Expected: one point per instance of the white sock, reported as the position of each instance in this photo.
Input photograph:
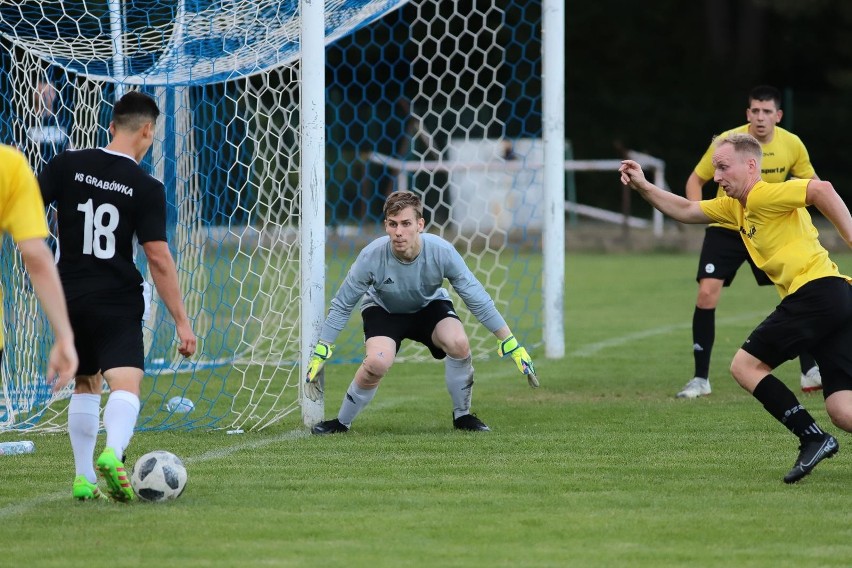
(354, 402)
(120, 413)
(459, 376)
(84, 413)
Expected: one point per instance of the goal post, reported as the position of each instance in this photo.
(261, 149)
(313, 197)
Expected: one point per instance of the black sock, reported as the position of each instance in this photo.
(703, 336)
(783, 405)
(807, 362)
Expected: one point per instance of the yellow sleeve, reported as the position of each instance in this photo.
(802, 167)
(721, 210)
(774, 199)
(22, 213)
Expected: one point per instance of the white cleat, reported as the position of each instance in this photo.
(812, 380)
(695, 388)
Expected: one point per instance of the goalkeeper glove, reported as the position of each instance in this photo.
(510, 346)
(313, 388)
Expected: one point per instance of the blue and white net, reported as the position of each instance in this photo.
(189, 42)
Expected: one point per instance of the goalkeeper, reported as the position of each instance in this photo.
(400, 278)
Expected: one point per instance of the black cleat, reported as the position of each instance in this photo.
(810, 454)
(470, 422)
(329, 427)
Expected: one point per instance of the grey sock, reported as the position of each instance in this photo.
(459, 376)
(354, 402)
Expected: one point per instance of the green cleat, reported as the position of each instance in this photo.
(117, 480)
(85, 491)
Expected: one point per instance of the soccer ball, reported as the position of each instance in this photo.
(158, 476)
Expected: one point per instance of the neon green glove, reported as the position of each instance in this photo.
(313, 388)
(510, 346)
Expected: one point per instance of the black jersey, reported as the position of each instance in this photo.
(106, 203)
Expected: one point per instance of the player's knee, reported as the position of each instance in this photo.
(458, 348)
(743, 372)
(375, 368)
(707, 298)
(841, 417)
(839, 408)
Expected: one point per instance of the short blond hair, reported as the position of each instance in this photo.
(399, 200)
(743, 143)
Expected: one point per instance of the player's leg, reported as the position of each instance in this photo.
(450, 337)
(835, 361)
(84, 411)
(807, 316)
(839, 408)
(722, 253)
(383, 334)
(811, 379)
(83, 424)
(121, 353)
(380, 354)
(814, 444)
(120, 414)
(449, 341)
(703, 336)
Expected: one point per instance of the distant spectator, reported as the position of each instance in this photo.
(45, 135)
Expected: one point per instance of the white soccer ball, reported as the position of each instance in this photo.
(158, 476)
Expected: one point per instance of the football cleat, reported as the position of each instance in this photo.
(85, 491)
(812, 380)
(695, 388)
(332, 426)
(117, 480)
(470, 422)
(812, 452)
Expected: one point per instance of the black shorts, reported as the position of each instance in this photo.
(105, 342)
(722, 254)
(816, 318)
(417, 326)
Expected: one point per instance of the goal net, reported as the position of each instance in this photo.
(449, 81)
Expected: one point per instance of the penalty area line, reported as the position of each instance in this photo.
(595, 348)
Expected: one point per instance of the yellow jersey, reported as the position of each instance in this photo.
(21, 208)
(778, 233)
(785, 156)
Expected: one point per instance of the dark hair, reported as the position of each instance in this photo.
(133, 110)
(399, 200)
(765, 93)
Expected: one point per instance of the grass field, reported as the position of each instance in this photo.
(601, 466)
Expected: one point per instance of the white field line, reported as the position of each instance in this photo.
(595, 348)
(24, 506)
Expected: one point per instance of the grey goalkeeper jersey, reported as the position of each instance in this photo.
(404, 288)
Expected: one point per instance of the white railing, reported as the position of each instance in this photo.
(404, 168)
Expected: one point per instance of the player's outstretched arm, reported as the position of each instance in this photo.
(674, 206)
(822, 195)
(507, 345)
(164, 273)
(38, 260)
